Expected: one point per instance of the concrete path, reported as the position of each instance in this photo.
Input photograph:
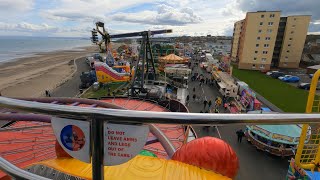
(71, 87)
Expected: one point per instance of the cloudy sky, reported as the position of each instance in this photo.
(185, 17)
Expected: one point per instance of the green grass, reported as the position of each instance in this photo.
(286, 97)
(101, 91)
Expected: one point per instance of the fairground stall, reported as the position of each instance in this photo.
(246, 101)
(171, 59)
(225, 63)
(225, 84)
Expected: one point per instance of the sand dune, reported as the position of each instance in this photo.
(31, 76)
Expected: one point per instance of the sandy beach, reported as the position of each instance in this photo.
(31, 76)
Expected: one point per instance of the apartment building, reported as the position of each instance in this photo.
(291, 37)
(235, 40)
(264, 40)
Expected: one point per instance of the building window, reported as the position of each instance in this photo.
(289, 44)
(269, 30)
(264, 52)
(270, 23)
(262, 16)
(259, 31)
(253, 66)
(254, 59)
(262, 66)
(294, 19)
(285, 64)
(256, 52)
(288, 51)
(292, 32)
(286, 58)
(264, 59)
(258, 38)
(257, 45)
(268, 38)
(261, 23)
(266, 45)
(293, 26)
(272, 15)
(290, 39)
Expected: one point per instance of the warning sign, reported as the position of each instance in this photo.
(73, 136)
(123, 142)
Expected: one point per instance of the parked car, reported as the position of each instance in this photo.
(285, 76)
(291, 79)
(306, 86)
(271, 72)
(277, 74)
(310, 75)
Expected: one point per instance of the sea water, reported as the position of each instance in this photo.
(17, 47)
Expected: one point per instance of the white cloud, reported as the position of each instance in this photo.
(87, 10)
(165, 15)
(185, 17)
(24, 26)
(16, 5)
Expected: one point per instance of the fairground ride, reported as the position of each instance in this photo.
(143, 72)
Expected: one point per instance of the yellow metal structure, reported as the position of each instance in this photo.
(308, 153)
(140, 167)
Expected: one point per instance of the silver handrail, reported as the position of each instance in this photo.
(97, 115)
(129, 116)
(18, 173)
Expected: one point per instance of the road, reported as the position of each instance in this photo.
(71, 87)
(254, 164)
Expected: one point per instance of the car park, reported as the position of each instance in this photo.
(285, 76)
(291, 79)
(275, 75)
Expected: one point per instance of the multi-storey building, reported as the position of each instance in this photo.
(264, 40)
(235, 40)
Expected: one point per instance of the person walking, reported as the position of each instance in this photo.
(205, 102)
(187, 100)
(209, 104)
(194, 97)
(225, 106)
(240, 135)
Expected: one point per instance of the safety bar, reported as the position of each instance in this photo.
(130, 116)
(96, 116)
(18, 173)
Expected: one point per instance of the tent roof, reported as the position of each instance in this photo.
(172, 57)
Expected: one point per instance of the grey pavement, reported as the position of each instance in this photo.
(71, 87)
(254, 164)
